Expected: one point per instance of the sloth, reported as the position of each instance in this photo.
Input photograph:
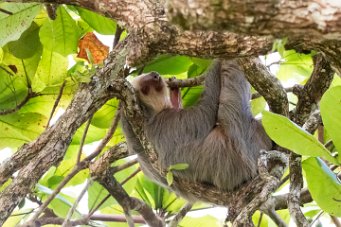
(218, 137)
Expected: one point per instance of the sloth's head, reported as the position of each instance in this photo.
(154, 92)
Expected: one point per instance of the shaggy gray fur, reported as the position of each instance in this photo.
(218, 137)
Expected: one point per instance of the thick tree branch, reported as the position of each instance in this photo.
(50, 147)
(266, 85)
(313, 90)
(311, 94)
(278, 18)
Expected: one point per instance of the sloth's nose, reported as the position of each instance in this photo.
(155, 76)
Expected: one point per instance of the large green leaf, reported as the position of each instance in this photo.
(324, 186)
(51, 71)
(99, 23)
(60, 35)
(12, 26)
(20, 128)
(28, 44)
(289, 135)
(331, 115)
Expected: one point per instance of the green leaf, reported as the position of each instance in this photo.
(96, 193)
(13, 88)
(190, 96)
(12, 26)
(206, 220)
(257, 105)
(93, 134)
(324, 186)
(60, 35)
(296, 66)
(330, 106)
(99, 23)
(169, 65)
(51, 71)
(104, 116)
(28, 44)
(26, 68)
(170, 178)
(178, 166)
(289, 135)
(20, 128)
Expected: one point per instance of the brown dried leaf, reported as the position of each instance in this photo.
(91, 44)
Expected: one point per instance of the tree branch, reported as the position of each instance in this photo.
(100, 172)
(266, 85)
(278, 18)
(50, 147)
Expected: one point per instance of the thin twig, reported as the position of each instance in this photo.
(257, 95)
(276, 218)
(317, 217)
(83, 139)
(74, 206)
(131, 176)
(181, 214)
(124, 166)
(191, 82)
(336, 221)
(55, 105)
(118, 34)
(108, 196)
(29, 95)
(80, 166)
(260, 219)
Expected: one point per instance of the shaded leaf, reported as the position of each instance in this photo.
(28, 44)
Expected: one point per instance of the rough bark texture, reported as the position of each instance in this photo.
(250, 28)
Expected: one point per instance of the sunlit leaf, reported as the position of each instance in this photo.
(12, 26)
(178, 166)
(51, 71)
(206, 220)
(20, 128)
(170, 178)
(324, 186)
(96, 193)
(169, 65)
(99, 23)
(286, 134)
(331, 111)
(60, 35)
